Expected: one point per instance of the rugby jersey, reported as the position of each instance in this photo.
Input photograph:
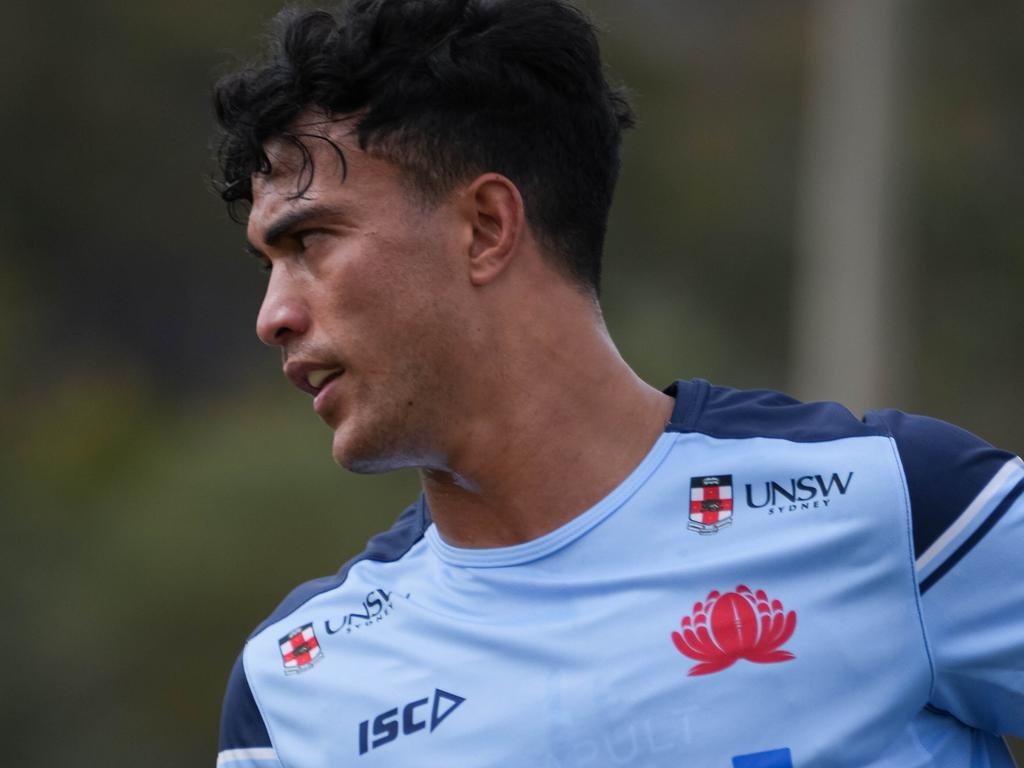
(777, 584)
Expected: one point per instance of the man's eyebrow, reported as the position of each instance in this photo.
(288, 222)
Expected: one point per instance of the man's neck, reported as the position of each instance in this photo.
(551, 441)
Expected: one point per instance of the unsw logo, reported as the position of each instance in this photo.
(806, 492)
(375, 607)
(386, 725)
(737, 625)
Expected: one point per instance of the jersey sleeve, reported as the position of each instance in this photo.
(967, 510)
(244, 740)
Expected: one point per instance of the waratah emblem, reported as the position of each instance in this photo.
(737, 625)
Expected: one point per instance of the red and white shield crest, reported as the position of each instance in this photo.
(710, 503)
(300, 650)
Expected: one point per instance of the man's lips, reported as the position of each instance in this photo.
(312, 376)
(319, 401)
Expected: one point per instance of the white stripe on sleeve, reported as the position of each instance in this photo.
(238, 757)
(995, 486)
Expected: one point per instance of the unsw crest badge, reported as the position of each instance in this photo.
(710, 503)
(300, 650)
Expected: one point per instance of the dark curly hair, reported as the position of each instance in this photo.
(447, 89)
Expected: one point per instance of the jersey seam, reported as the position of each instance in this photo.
(785, 439)
(259, 706)
(908, 511)
(689, 404)
(699, 402)
(694, 410)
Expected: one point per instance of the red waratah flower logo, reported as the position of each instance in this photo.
(736, 625)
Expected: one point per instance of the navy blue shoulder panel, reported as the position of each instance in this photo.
(946, 468)
(241, 725)
(386, 547)
(733, 413)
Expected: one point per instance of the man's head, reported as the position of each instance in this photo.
(398, 159)
(448, 90)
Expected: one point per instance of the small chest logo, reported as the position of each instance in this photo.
(737, 625)
(796, 493)
(408, 719)
(710, 503)
(375, 608)
(300, 650)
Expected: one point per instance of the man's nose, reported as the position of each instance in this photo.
(283, 315)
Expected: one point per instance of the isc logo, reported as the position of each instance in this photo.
(388, 725)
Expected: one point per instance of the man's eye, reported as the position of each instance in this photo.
(307, 237)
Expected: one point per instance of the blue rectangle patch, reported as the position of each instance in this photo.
(775, 758)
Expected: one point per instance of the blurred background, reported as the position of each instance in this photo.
(821, 197)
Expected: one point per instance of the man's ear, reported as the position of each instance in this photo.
(495, 210)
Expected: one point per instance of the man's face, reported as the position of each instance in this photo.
(363, 298)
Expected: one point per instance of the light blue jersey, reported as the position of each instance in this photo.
(776, 585)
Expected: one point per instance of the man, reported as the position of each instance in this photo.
(598, 572)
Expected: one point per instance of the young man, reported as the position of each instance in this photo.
(597, 573)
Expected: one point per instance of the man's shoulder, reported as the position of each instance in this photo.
(285, 644)
(728, 413)
(954, 482)
(386, 547)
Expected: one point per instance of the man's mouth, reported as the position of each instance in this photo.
(321, 381)
(318, 379)
(311, 377)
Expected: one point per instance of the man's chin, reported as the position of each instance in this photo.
(345, 456)
(364, 459)
(370, 458)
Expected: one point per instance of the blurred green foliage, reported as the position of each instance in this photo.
(162, 488)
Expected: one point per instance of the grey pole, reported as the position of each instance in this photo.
(848, 293)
